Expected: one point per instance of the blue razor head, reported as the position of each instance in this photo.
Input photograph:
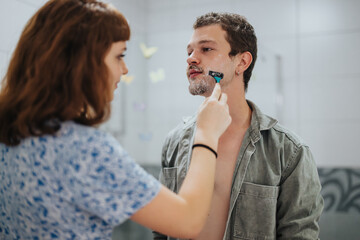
(216, 75)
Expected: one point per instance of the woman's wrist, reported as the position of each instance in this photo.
(202, 137)
(206, 147)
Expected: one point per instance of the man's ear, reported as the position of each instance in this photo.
(244, 61)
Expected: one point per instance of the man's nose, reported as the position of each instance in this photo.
(193, 59)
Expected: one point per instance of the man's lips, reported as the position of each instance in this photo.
(193, 73)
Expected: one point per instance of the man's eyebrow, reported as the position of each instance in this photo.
(203, 42)
(206, 41)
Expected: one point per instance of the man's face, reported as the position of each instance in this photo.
(208, 50)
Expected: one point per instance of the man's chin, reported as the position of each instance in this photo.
(199, 92)
(200, 87)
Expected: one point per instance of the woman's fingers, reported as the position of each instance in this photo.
(213, 117)
(216, 92)
(223, 98)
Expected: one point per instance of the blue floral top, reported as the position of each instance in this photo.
(76, 184)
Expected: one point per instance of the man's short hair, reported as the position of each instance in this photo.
(239, 33)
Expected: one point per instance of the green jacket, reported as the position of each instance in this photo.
(275, 190)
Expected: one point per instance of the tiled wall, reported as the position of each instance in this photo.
(341, 192)
(307, 72)
(318, 43)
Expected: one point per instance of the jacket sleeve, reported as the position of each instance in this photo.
(299, 203)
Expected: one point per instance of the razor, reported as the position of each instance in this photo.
(216, 75)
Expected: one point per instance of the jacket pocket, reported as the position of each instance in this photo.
(169, 176)
(255, 212)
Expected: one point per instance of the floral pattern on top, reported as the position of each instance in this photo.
(76, 184)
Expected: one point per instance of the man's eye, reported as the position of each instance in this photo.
(189, 53)
(206, 49)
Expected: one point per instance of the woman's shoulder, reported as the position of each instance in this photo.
(79, 132)
(68, 128)
(75, 133)
(73, 137)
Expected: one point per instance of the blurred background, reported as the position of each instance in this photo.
(307, 76)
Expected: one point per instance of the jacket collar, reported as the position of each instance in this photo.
(189, 121)
(259, 122)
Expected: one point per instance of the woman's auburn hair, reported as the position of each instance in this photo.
(57, 71)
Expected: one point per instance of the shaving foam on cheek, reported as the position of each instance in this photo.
(216, 75)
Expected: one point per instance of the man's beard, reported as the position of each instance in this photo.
(199, 87)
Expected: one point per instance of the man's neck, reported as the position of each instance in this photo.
(239, 109)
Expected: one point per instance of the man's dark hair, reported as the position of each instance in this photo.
(239, 33)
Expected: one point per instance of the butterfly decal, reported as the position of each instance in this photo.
(139, 106)
(127, 79)
(157, 76)
(147, 51)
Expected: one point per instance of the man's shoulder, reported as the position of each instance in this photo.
(288, 136)
(284, 148)
(272, 129)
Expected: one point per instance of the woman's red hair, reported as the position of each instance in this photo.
(57, 71)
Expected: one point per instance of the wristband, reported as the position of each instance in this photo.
(205, 146)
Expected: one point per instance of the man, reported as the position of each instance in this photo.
(267, 185)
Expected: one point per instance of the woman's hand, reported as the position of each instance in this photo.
(213, 118)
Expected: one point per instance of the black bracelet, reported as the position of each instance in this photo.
(205, 146)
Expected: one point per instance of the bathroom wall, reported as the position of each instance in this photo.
(306, 75)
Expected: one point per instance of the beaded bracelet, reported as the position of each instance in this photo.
(205, 146)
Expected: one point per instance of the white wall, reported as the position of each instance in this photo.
(318, 43)
(13, 16)
(329, 49)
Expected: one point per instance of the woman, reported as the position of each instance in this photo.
(61, 178)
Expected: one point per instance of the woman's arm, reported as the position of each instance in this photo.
(184, 214)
